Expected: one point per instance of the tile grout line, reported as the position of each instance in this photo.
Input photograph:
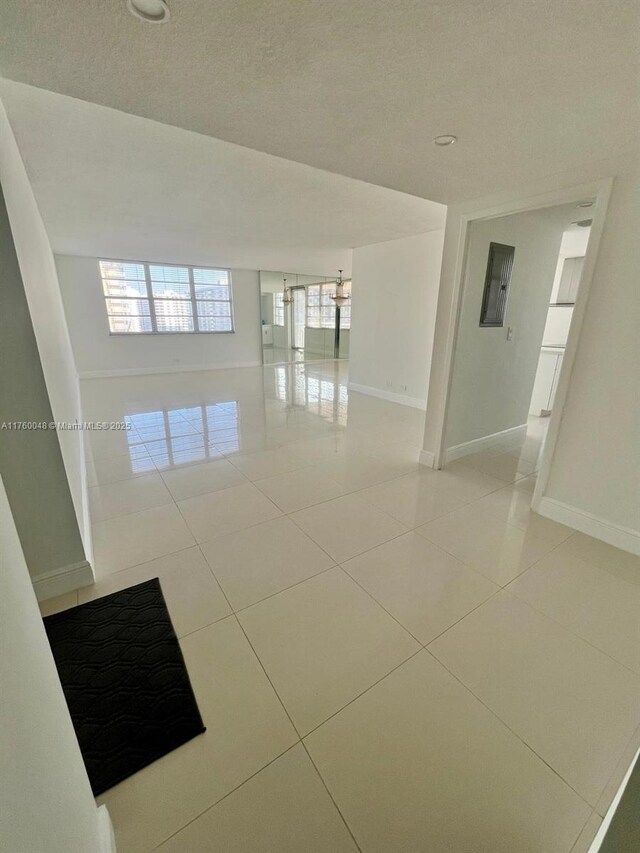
(326, 787)
(507, 726)
(228, 794)
(363, 692)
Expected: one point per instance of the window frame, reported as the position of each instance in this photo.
(326, 289)
(278, 309)
(150, 299)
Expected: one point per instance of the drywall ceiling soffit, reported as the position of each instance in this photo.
(531, 87)
(116, 185)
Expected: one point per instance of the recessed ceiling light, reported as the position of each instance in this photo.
(445, 139)
(151, 11)
(585, 204)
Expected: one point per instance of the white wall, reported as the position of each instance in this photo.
(41, 286)
(595, 468)
(493, 377)
(99, 353)
(395, 292)
(47, 804)
(573, 245)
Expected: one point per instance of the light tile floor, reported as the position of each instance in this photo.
(387, 658)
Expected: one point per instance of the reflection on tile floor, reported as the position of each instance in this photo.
(387, 658)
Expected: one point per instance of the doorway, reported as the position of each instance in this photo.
(461, 423)
(299, 320)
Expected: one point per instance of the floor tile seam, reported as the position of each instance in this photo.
(279, 514)
(363, 692)
(228, 794)
(144, 562)
(123, 514)
(300, 509)
(267, 676)
(411, 526)
(331, 796)
(379, 604)
(566, 628)
(477, 570)
(512, 730)
(202, 494)
(236, 610)
(360, 553)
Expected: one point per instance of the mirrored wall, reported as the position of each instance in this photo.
(299, 319)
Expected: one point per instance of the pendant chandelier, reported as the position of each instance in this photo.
(340, 298)
(287, 298)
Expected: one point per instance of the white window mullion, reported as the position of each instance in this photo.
(152, 307)
(194, 302)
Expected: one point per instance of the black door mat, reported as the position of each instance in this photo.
(125, 681)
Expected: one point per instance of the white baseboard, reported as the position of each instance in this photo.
(179, 368)
(106, 837)
(401, 399)
(484, 443)
(621, 537)
(59, 581)
(426, 458)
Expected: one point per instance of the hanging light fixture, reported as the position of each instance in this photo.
(340, 298)
(287, 298)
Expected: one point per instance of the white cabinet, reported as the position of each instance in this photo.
(267, 335)
(546, 381)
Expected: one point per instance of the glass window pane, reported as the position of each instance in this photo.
(173, 315)
(123, 287)
(175, 274)
(206, 276)
(128, 307)
(170, 282)
(212, 291)
(215, 324)
(172, 288)
(120, 325)
(174, 324)
(214, 309)
(118, 269)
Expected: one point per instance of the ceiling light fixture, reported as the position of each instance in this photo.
(340, 297)
(445, 139)
(150, 11)
(287, 298)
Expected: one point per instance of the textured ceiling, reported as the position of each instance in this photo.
(360, 88)
(116, 185)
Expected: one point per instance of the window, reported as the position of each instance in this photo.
(345, 310)
(321, 309)
(496, 284)
(278, 309)
(143, 299)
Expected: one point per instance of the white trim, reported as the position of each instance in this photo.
(426, 458)
(401, 399)
(585, 522)
(601, 189)
(601, 834)
(486, 442)
(106, 837)
(143, 371)
(66, 579)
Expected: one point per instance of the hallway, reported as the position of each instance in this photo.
(385, 656)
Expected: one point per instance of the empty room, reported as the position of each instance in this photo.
(319, 427)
